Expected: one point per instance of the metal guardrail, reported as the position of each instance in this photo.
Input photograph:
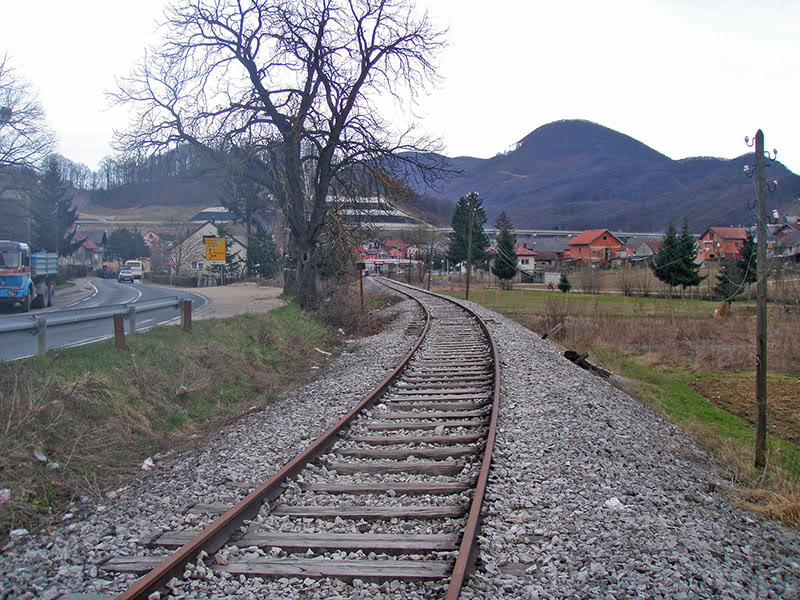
(38, 324)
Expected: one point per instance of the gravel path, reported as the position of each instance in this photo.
(591, 495)
(239, 298)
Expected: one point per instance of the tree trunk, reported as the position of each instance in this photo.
(300, 278)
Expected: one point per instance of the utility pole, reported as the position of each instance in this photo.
(761, 306)
(430, 261)
(471, 197)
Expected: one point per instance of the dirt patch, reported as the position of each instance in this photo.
(240, 298)
(738, 397)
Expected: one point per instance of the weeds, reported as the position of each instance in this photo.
(94, 413)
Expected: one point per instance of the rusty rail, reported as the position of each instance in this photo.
(219, 532)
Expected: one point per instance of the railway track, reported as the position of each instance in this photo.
(392, 491)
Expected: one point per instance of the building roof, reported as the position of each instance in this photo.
(790, 239)
(546, 255)
(729, 233)
(654, 245)
(217, 213)
(214, 225)
(524, 251)
(87, 243)
(590, 235)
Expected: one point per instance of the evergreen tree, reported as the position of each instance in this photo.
(563, 283)
(457, 252)
(52, 215)
(126, 244)
(663, 264)
(505, 261)
(747, 263)
(262, 253)
(730, 282)
(687, 269)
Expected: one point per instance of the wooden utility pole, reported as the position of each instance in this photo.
(761, 306)
(471, 206)
(430, 261)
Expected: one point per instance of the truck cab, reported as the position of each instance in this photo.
(24, 278)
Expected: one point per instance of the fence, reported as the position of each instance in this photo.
(39, 324)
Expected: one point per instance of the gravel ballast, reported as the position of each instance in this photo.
(591, 494)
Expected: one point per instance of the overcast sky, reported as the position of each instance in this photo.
(687, 78)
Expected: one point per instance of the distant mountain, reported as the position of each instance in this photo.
(581, 175)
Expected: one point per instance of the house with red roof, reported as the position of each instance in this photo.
(721, 242)
(594, 246)
(89, 253)
(526, 258)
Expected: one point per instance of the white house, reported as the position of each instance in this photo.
(188, 256)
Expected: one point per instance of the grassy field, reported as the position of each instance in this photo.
(94, 413)
(695, 369)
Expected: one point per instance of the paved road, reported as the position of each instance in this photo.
(91, 294)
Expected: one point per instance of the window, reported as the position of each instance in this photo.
(197, 265)
(524, 261)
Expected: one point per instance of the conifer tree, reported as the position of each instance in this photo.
(747, 263)
(687, 269)
(53, 216)
(457, 252)
(504, 265)
(667, 257)
(563, 283)
(730, 282)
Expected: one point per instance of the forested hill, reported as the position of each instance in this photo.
(580, 175)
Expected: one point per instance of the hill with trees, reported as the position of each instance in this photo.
(578, 175)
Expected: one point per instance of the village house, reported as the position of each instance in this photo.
(89, 253)
(594, 246)
(395, 248)
(187, 257)
(721, 242)
(526, 258)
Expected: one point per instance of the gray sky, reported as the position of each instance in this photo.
(687, 78)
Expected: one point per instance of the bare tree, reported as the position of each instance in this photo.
(297, 82)
(25, 138)
(626, 280)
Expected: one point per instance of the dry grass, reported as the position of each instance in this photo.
(341, 309)
(98, 412)
(773, 492)
(660, 347)
(711, 344)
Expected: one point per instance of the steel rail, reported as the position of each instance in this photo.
(220, 530)
(468, 548)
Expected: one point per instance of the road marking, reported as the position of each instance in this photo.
(87, 297)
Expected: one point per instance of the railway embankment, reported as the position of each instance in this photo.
(591, 494)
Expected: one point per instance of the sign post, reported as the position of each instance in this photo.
(215, 252)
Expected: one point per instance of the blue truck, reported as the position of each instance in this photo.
(25, 278)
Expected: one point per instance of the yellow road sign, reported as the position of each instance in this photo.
(215, 249)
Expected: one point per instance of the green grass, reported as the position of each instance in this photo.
(668, 390)
(98, 411)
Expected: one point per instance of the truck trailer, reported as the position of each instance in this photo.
(25, 278)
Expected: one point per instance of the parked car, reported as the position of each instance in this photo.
(126, 274)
